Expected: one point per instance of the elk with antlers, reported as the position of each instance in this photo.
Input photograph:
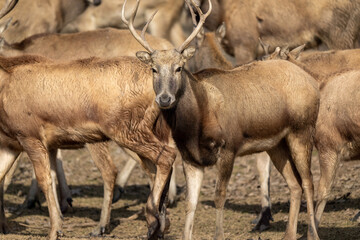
(216, 115)
(85, 101)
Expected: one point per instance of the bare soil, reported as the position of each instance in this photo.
(127, 222)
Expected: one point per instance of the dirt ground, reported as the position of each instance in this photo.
(242, 206)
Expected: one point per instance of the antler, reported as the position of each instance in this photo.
(130, 25)
(193, 16)
(198, 27)
(8, 7)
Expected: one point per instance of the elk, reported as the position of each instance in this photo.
(39, 16)
(280, 23)
(337, 73)
(168, 25)
(210, 54)
(108, 43)
(215, 115)
(74, 103)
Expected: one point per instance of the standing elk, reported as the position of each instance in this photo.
(337, 73)
(216, 115)
(39, 16)
(210, 54)
(105, 43)
(285, 22)
(85, 101)
(168, 25)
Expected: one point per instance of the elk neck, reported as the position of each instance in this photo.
(194, 134)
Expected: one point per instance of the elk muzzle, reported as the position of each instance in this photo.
(165, 100)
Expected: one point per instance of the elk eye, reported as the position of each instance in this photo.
(178, 69)
(154, 70)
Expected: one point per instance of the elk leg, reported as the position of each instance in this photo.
(172, 187)
(39, 157)
(8, 158)
(301, 144)
(33, 196)
(10, 174)
(194, 176)
(281, 158)
(101, 157)
(123, 177)
(65, 193)
(52, 158)
(263, 166)
(225, 167)
(329, 162)
(147, 145)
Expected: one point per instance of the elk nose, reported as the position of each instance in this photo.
(164, 100)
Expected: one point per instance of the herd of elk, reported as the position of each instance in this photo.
(280, 23)
(97, 91)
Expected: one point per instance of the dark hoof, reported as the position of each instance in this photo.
(263, 220)
(31, 203)
(98, 232)
(4, 229)
(118, 192)
(65, 205)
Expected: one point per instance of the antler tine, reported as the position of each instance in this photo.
(198, 27)
(130, 25)
(193, 16)
(264, 46)
(147, 24)
(8, 7)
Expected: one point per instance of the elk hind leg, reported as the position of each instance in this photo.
(281, 158)
(262, 222)
(300, 143)
(102, 159)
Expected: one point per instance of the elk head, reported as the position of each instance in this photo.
(167, 65)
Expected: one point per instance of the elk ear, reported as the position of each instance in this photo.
(295, 53)
(220, 32)
(144, 57)
(188, 53)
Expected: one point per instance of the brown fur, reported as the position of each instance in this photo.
(80, 102)
(107, 42)
(280, 23)
(166, 24)
(41, 16)
(337, 127)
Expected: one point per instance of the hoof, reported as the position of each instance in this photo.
(31, 203)
(98, 232)
(65, 204)
(262, 222)
(59, 234)
(4, 229)
(118, 192)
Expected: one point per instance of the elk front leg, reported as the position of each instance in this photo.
(281, 158)
(263, 166)
(7, 158)
(194, 176)
(225, 167)
(39, 157)
(102, 159)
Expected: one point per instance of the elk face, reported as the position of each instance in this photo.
(167, 66)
